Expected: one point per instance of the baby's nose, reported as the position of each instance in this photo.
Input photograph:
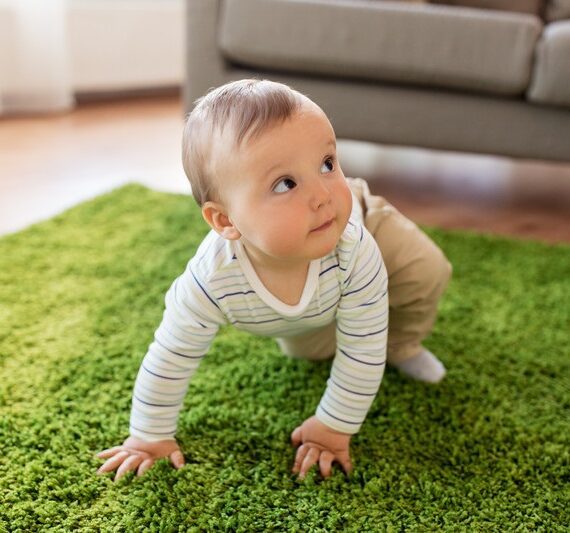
(321, 195)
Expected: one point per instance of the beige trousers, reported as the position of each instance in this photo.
(418, 274)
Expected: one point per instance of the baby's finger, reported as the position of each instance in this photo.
(325, 463)
(145, 465)
(113, 463)
(299, 458)
(346, 464)
(311, 459)
(177, 459)
(296, 436)
(105, 454)
(130, 463)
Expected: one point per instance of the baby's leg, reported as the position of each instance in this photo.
(315, 345)
(418, 274)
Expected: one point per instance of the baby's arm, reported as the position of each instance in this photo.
(190, 322)
(361, 337)
(359, 363)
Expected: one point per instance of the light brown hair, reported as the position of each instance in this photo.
(239, 111)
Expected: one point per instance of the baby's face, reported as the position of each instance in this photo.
(286, 193)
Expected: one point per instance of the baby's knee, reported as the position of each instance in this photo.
(436, 271)
(439, 266)
(311, 353)
(422, 281)
(315, 345)
(308, 355)
(444, 269)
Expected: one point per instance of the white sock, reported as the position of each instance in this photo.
(423, 367)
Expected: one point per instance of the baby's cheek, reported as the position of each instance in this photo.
(279, 237)
(287, 243)
(344, 197)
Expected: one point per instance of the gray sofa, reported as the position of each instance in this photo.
(430, 76)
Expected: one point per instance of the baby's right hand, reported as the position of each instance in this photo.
(140, 455)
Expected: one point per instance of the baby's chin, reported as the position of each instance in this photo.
(327, 243)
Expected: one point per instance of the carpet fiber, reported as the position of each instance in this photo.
(80, 297)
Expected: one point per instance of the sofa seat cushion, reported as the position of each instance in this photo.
(441, 46)
(551, 76)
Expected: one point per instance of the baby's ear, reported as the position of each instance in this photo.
(215, 215)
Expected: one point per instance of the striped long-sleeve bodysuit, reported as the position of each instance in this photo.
(220, 285)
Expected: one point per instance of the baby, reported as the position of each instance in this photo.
(297, 252)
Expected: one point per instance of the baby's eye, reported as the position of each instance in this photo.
(329, 162)
(284, 185)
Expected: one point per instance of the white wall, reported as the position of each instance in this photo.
(126, 44)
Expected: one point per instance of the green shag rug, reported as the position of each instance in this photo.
(80, 296)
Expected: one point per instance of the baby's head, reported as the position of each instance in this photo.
(224, 120)
(253, 151)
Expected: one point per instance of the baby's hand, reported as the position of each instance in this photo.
(321, 444)
(140, 455)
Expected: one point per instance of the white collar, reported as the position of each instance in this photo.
(272, 301)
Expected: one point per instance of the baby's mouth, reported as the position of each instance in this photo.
(325, 226)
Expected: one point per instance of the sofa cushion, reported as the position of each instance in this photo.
(550, 82)
(431, 45)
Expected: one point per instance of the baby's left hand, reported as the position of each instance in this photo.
(320, 444)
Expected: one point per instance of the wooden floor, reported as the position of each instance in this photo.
(50, 163)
